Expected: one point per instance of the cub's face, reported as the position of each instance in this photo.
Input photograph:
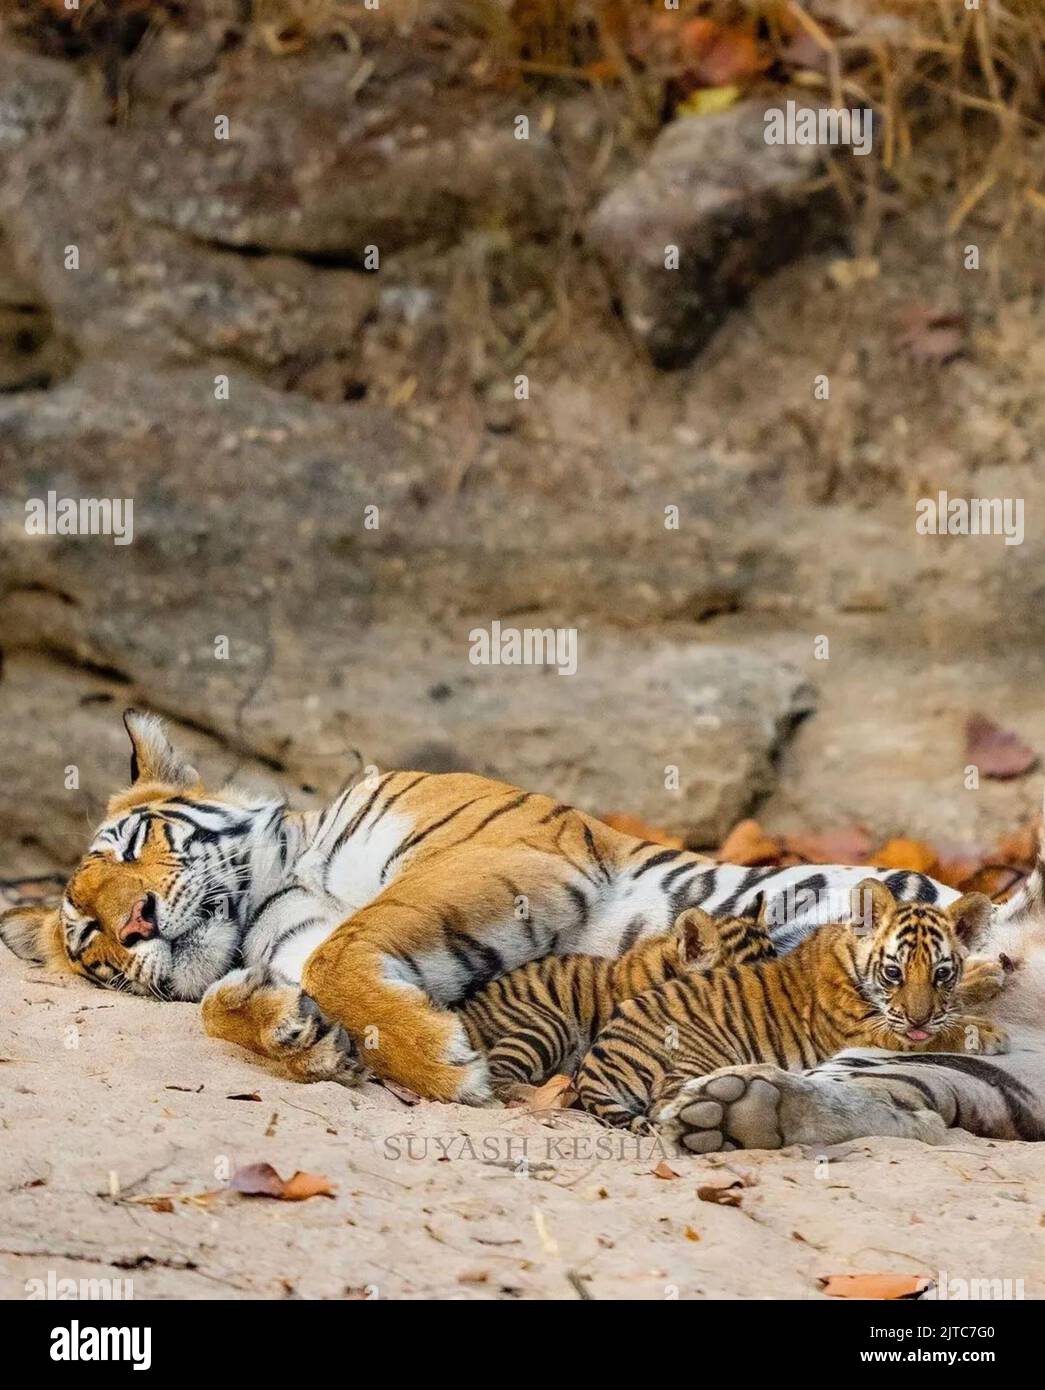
(141, 912)
(911, 961)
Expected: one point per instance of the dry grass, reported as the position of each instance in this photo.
(935, 72)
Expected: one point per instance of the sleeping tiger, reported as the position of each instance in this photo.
(903, 984)
(539, 1021)
(311, 935)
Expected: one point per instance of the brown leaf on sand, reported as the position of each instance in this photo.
(722, 1192)
(402, 1093)
(914, 855)
(262, 1180)
(304, 1185)
(996, 752)
(932, 336)
(747, 843)
(881, 1286)
(664, 1170)
(557, 1093)
(631, 825)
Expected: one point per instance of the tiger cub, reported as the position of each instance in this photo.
(539, 1021)
(896, 983)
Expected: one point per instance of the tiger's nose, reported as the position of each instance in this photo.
(141, 921)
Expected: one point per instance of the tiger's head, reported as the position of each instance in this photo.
(910, 956)
(156, 904)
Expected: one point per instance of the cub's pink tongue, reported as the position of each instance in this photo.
(917, 1034)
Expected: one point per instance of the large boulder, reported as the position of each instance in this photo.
(733, 207)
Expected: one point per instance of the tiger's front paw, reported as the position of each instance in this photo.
(983, 979)
(983, 1036)
(282, 1023)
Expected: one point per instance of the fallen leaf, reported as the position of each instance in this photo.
(882, 1286)
(996, 752)
(304, 1185)
(631, 825)
(719, 54)
(262, 1180)
(408, 1097)
(705, 101)
(748, 844)
(244, 1095)
(1020, 846)
(257, 1180)
(664, 1170)
(722, 1192)
(691, 1234)
(913, 855)
(474, 1276)
(557, 1093)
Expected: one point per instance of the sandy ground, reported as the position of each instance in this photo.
(107, 1099)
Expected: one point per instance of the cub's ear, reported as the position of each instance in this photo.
(871, 902)
(153, 759)
(698, 935)
(971, 916)
(33, 933)
(755, 910)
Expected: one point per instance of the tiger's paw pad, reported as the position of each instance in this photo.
(722, 1112)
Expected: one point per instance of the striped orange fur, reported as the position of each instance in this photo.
(898, 985)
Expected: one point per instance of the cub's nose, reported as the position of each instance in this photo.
(141, 921)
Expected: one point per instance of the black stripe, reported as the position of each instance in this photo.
(501, 811)
(631, 934)
(664, 857)
(593, 850)
(559, 809)
(419, 836)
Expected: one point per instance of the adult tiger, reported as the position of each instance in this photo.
(307, 933)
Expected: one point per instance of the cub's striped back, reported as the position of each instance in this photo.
(539, 1021)
(896, 986)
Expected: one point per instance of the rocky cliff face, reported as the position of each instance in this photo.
(342, 464)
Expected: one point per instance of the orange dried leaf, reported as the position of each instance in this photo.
(262, 1180)
(996, 752)
(881, 1286)
(747, 843)
(664, 1170)
(304, 1185)
(914, 855)
(557, 1093)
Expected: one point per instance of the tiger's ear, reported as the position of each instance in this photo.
(971, 916)
(871, 902)
(698, 936)
(33, 933)
(755, 910)
(153, 758)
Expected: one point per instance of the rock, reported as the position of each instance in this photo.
(736, 209)
(34, 94)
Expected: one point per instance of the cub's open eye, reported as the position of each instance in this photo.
(943, 974)
(892, 974)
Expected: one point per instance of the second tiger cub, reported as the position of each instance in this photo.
(902, 984)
